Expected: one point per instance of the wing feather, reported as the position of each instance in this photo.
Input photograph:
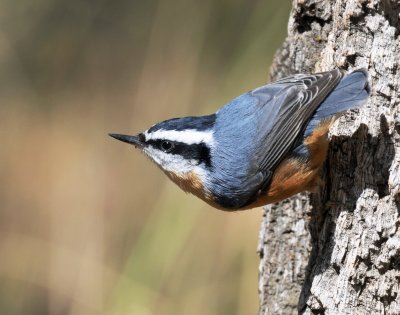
(299, 99)
(268, 122)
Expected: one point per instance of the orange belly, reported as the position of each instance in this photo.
(294, 175)
(191, 183)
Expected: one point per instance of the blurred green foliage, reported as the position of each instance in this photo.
(87, 225)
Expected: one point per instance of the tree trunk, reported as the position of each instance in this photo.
(338, 252)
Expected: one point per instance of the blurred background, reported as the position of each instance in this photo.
(87, 224)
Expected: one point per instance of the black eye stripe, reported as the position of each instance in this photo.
(199, 151)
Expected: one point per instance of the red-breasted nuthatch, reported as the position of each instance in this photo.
(262, 147)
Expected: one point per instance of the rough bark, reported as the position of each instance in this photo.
(338, 251)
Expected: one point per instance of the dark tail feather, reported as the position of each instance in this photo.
(351, 92)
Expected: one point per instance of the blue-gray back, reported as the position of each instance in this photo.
(258, 129)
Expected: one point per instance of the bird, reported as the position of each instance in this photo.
(262, 147)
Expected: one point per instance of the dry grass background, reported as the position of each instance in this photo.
(88, 225)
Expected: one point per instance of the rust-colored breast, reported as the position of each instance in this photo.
(295, 175)
(188, 182)
(191, 183)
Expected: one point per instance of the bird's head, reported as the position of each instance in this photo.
(181, 147)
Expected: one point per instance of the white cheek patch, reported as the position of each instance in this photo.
(168, 162)
(156, 156)
(176, 164)
(189, 136)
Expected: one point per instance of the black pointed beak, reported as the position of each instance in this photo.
(135, 140)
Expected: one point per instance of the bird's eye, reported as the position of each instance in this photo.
(167, 146)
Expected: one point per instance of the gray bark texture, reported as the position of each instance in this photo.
(338, 251)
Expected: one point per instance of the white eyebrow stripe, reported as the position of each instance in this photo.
(188, 136)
